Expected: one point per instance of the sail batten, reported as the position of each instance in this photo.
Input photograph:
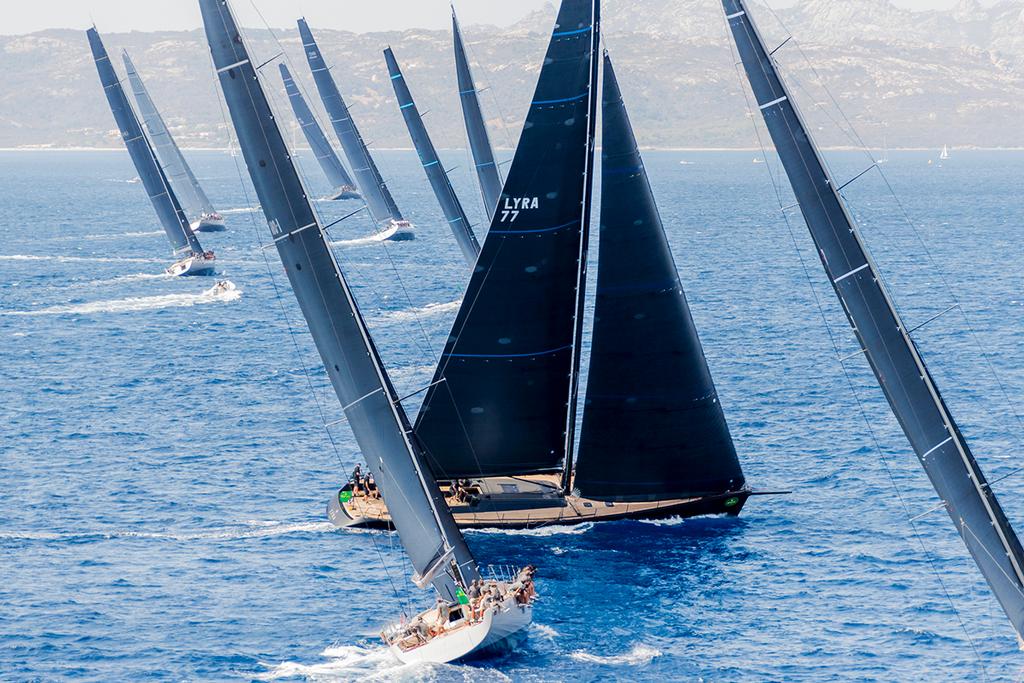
(891, 352)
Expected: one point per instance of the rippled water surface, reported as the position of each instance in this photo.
(164, 466)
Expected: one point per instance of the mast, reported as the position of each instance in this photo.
(436, 174)
(504, 392)
(884, 339)
(487, 171)
(322, 150)
(378, 198)
(425, 525)
(184, 182)
(649, 390)
(162, 196)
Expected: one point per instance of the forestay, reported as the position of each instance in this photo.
(504, 394)
(885, 341)
(371, 406)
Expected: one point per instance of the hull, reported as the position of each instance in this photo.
(399, 231)
(210, 223)
(197, 264)
(538, 503)
(344, 192)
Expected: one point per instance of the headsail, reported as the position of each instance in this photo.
(378, 198)
(322, 150)
(884, 339)
(504, 394)
(168, 210)
(183, 181)
(487, 171)
(357, 374)
(650, 396)
(436, 174)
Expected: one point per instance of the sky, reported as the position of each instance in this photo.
(21, 16)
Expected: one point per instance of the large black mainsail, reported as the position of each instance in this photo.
(487, 171)
(651, 403)
(436, 173)
(504, 394)
(168, 210)
(884, 339)
(341, 182)
(423, 521)
(371, 184)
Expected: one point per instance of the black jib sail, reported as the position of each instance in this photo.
(329, 162)
(168, 210)
(650, 396)
(884, 339)
(487, 171)
(504, 395)
(436, 173)
(353, 364)
(375, 192)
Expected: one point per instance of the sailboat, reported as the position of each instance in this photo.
(379, 201)
(945, 152)
(329, 162)
(431, 163)
(197, 206)
(498, 421)
(191, 258)
(884, 339)
(456, 629)
(487, 171)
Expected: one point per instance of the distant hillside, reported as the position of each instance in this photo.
(905, 78)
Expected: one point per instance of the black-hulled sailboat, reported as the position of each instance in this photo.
(192, 259)
(884, 339)
(330, 164)
(197, 206)
(431, 163)
(379, 201)
(427, 531)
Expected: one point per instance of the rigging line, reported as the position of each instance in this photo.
(849, 379)
(488, 87)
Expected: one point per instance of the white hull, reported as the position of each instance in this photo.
(196, 264)
(399, 231)
(344, 192)
(210, 223)
(499, 631)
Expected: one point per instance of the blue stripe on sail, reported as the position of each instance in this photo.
(534, 231)
(509, 355)
(488, 163)
(395, 77)
(565, 99)
(406, 106)
(432, 163)
(559, 34)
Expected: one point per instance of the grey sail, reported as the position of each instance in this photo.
(436, 174)
(649, 389)
(371, 406)
(168, 210)
(487, 171)
(884, 339)
(322, 150)
(371, 184)
(193, 200)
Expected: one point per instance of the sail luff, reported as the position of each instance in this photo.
(357, 374)
(888, 346)
(431, 163)
(161, 195)
(487, 171)
(371, 184)
(318, 142)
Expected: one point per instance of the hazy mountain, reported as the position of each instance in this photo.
(911, 78)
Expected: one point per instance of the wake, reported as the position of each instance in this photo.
(249, 529)
(413, 314)
(542, 532)
(143, 303)
(75, 259)
(640, 655)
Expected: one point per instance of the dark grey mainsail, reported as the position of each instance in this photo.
(487, 171)
(375, 192)
(504, 394)
(884, 339)
(424, 523)
(168, 210)
(436, 173)
(341, 182)
(650, 396)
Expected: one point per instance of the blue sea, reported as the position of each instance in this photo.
(164, 465)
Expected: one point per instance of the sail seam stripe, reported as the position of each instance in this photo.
(406, 106)
(432, 163)
(232, 66)
(294, 232)
(774, 102)
(509, 355)
(559, 34)
(852, 272)
(534, 231)
(932, 450)
(735, 14)
(559, 101)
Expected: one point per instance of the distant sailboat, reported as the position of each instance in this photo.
(192, 259)
(197, 206)
(884, 338)
(329, 162)
(379, 201)
(373, 409)
(945, 152)
(431, 163)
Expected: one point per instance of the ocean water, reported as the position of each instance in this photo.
(164, 466)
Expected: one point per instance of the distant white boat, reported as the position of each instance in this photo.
(758, 160)
(945, 152)
(687, 163)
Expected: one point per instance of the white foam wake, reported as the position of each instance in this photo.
(640, 655)
(142, 303)
(553, 530)
(411, 314)
(75, 259)
(243, 209)
(116, 235)
(359, 241)
(250, 529)
(344, 663)
(134, 277)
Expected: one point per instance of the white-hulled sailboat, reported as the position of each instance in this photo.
(459, 627)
